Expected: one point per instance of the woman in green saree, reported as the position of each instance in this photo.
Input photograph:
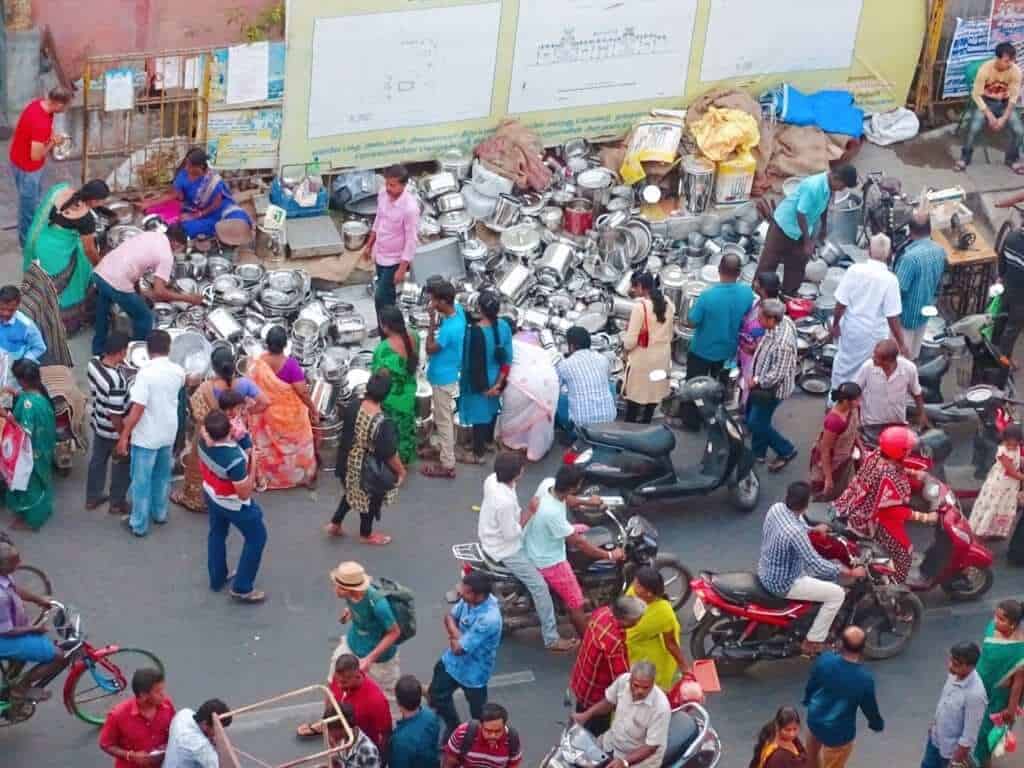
(62, 240)
(33, 413)
(398, 354)
(1001, 668)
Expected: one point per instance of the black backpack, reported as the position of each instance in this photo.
(472, 728)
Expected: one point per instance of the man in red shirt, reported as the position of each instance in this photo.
(33, 138)
(484, 743)
(602, 656)
(135, 732)
(373, 715)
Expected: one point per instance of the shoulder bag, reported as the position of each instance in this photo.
(377, 478)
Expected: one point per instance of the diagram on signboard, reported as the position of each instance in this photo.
(575, 53)
(402, 69)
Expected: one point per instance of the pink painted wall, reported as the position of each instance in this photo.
(100, 27)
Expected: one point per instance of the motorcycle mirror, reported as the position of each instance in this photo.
(658, 375)
(929, 311)
(996, 289)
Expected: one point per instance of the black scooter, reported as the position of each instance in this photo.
(636, 459)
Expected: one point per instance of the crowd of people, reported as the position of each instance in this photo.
(238, 434)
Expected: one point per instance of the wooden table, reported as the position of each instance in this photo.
(970, 271)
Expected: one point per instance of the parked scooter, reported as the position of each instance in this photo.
(740, 622)
(601, 580)
(692, 743)
(638, 458)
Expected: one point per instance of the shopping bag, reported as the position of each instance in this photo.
(15, 455)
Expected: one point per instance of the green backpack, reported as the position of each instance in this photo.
(402, 603)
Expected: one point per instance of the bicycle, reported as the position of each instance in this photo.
(98, 678)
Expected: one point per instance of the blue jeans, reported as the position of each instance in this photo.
(30, 190)
(932, 757)
(151, 482)
(133, 304)
(531, 578)
(249, 522)
(762, 434)
(384, 295)
(978, 124)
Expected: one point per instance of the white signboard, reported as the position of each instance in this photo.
(577, 53)
(402, 69)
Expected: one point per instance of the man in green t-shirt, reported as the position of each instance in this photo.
(373, 631)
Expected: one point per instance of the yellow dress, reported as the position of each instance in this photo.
(645, 640)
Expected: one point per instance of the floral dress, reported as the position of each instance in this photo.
(996, 506)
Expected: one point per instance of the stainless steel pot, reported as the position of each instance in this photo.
(456, 162)
(506, 211)
(521, 241)
(437, 184)
(515, 283)
(323, 395)
(424, 399)
(223, 325)
(327, 438)
(673, 284)
(557, 260)
(450, 201)
(595, 184)
(844, 217)
(355, 233)
(455, 223)
(681, 344)
(551, 217)
(350, 329)
(622, 308)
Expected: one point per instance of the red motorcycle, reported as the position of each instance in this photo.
(740, 623)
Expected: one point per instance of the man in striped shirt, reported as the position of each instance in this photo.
(228, 482)
(919, 272)
(108, 388)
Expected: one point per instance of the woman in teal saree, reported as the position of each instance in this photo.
(34, 413)
(1001, 668)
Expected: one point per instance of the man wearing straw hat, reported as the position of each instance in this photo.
(373, 631)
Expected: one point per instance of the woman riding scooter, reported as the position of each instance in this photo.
(876, 505)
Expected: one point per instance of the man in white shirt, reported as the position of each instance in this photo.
(639, 732)
(887, 382)
(868, 309)
(190, 740)
(500, 530)
(151, 426)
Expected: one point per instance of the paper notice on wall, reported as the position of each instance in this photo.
(118, 89)
(248, 66)
(970, 43)
(1007, 24)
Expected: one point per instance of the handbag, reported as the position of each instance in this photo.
(376, 478)
(644, 337)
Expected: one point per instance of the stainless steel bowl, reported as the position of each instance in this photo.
(355, 233)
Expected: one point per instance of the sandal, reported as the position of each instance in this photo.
(1018, 168)
(335, 530)
(780, 464)
(565, 645)
(468, 457)
(428, 452)
(91, 505)
(436, 470)
(376, 539)
(309, 731)
(256, 596)
(959, 166)
(179, 500)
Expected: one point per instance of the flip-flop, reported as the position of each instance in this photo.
(959, 166)
(436, 470)
(780, 464)
(91, 505)
(307, 731)
(256, 596)
(335, 531)
(376, 539)
(565, 645)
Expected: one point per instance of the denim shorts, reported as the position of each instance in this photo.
(38, 648)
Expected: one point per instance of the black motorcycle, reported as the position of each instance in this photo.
(601, 580)
(637, 459)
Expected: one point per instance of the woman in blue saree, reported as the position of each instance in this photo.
(205, 199)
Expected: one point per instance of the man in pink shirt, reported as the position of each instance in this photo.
(393, 239)
(117, 276)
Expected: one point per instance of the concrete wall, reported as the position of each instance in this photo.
(101, 27)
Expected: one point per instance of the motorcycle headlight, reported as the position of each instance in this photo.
(584, 457)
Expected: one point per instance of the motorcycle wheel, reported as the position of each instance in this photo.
(747, 491)
(969, 585)
(882, 639)
(677, 580)
(816, 384)
(707, 638)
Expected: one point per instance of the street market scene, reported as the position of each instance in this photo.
(488, 383)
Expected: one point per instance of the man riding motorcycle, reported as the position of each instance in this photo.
(500, 530)
(545, 537)
(790, 567)
(876, 503)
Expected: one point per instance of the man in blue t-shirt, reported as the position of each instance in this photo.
(800, 223)
(444, 348)
(228, 482)
(716, 316)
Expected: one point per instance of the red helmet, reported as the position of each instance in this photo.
(897, 442)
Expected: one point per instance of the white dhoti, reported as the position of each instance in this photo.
(857, 339)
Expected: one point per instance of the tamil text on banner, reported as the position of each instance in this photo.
(1007, 25)
(244, 138)
(970, 43)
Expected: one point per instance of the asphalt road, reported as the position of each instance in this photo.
(152, 593)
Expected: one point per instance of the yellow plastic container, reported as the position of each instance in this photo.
(734, 179)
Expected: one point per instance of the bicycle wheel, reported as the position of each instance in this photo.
(35, 581)
(106, 682)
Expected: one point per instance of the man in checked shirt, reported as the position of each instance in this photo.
(602, 656)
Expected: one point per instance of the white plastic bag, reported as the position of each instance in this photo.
(885, 128)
